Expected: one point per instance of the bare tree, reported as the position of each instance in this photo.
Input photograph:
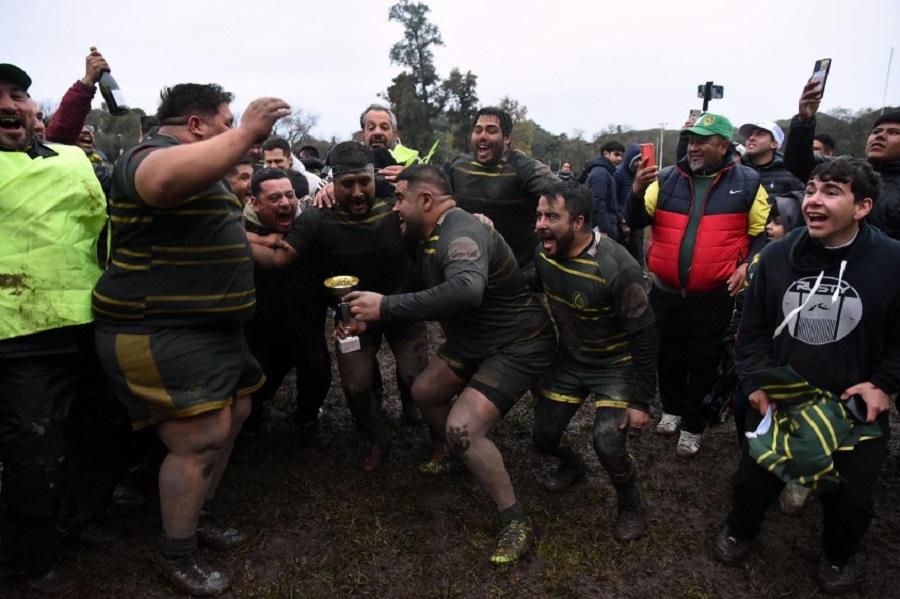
(296, 127)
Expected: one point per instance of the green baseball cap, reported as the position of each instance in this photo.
(711, 124)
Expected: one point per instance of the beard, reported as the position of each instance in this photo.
(17, 142)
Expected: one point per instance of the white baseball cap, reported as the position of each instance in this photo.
(770, 126)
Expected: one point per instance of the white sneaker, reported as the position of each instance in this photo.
(668, 424)
(688, 444)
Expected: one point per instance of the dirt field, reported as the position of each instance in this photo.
(322, 528)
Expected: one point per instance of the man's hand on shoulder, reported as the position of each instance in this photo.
(390, 172)
(877, 401)
(325, 197)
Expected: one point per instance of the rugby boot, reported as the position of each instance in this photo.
(213, 535)
(630, 523)
(567, 474)
(58, 581)
(514, 541)
(834, 578)
(439, 462)
(193, 575)
(729, 549)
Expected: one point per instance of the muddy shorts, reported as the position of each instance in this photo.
(568, 381)
(507, 373)
(177, 373)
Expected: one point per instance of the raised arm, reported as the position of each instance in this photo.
(171, 175)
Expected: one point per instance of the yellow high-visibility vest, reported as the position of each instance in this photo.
(52, 210)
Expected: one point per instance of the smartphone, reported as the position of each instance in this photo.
(820, 74)
(648, 155)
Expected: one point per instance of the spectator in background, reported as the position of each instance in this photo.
(624, 176)
(238, 178)
(276, 153)
(824, 144)
(598, 176)
(707, 217)
(67, 123)
(149, 123)
(565, 172)
(882, 152)
(762, 141)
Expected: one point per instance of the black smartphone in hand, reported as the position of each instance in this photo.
(820, 74)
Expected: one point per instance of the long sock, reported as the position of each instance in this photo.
(513, 512)
(174, 548)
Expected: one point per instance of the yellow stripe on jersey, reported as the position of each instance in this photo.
(572, 271)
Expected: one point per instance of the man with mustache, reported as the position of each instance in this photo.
(360, 238)
(288, 326)
(707, 216)
(51, 215)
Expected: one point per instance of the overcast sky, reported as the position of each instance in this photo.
(577, 66)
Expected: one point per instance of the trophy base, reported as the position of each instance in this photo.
(349, 344)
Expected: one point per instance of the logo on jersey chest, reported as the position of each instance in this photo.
(579, 300)
(822, 321)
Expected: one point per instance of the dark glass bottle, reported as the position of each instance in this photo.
(112, 95)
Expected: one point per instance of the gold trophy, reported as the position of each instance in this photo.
(337, 288)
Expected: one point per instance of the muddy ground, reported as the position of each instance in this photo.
(320, 527)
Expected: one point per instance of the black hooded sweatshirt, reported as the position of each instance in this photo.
(834, 340)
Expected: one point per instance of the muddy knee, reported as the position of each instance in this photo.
(609, 443)
(458, 438)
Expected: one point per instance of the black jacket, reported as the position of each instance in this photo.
(801, 160)
(599, 177)
(835, 340)
(775, 176)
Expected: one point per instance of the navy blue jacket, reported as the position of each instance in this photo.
(599, 178)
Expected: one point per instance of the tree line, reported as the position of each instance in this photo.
(432, 109)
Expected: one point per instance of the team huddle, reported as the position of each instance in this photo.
(210, 291)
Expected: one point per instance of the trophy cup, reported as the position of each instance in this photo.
(337, 288)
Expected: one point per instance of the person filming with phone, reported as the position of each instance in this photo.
(707, 216)
(882, 150)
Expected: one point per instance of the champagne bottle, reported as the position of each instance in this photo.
(112, 95)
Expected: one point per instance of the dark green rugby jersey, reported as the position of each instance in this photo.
(506, 192)
(185, 266)
(597, 299)
(371, 248)
(471, 283)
